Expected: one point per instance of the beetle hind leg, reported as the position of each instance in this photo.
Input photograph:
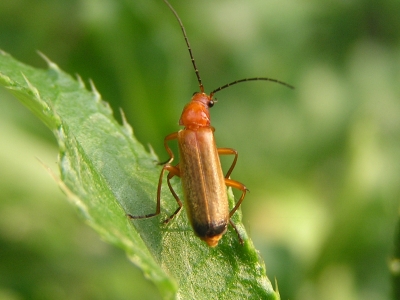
(244, 189)
(237, 231)
(239, 186)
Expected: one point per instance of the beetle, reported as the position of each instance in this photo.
(203, 183)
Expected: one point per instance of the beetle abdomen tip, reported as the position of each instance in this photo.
(211, 233)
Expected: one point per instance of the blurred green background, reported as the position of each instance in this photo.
(322, 161)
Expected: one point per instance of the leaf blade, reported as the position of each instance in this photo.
(110, 174)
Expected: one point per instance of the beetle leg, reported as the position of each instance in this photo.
(243, 188)
(173, 172)
(169, 137)
(239, 186)
(229, 151)
(237, 231)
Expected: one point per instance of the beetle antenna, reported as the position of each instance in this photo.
(250, 79)
(188, 45)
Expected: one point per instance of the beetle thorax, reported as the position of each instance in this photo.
(196, 113)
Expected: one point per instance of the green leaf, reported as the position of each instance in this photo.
(106, 173)
(395, 264)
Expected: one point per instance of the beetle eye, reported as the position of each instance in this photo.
(210, 103)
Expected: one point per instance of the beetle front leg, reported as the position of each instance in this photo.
(229, 151)
(169, 137)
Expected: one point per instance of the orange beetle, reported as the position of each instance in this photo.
(203, 183)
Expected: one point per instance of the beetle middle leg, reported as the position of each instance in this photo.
(230, 182)
(173, 171)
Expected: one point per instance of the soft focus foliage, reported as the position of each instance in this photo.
(322, 162)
